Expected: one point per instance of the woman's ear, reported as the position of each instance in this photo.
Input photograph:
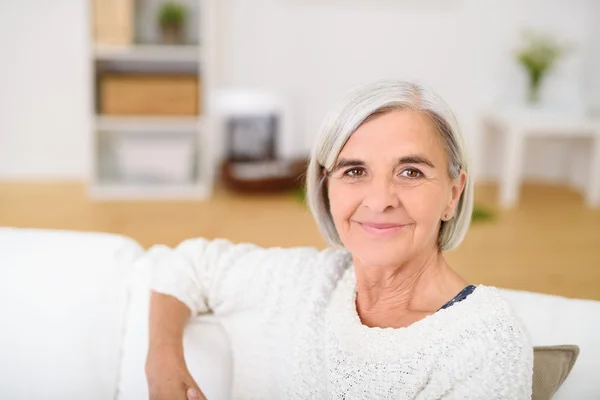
(458, 185)
(324, 174)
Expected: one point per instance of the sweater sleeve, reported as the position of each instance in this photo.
(499, 377)
(494, 363)
(218, 276)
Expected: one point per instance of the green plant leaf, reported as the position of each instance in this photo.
(172, 13)
(539, 53)
(299, 194)
(481, 213)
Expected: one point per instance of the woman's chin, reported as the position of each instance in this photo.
(379, 257)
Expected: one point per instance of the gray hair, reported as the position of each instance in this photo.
(362, 104)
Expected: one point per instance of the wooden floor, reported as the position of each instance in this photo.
(550, 243)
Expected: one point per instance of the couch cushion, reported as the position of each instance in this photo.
(63, 296)
(554, 321)
(552, 365)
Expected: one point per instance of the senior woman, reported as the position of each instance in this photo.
(379, 314)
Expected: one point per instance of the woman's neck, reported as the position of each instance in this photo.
(397, 296)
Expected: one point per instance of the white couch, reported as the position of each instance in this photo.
(74, 309)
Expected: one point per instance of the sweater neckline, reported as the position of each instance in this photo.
(384, 344)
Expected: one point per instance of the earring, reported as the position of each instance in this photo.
(445, 217)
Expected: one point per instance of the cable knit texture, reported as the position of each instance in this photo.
(295, 333)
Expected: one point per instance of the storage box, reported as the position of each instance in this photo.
(169, 159)
(149, 94)
(113, 22)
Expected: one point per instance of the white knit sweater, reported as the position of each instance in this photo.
(295, 334)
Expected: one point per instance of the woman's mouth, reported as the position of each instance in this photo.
(381, 229)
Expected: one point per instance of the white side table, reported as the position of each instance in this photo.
(517, 126)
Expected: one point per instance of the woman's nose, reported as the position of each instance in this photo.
(381, 195)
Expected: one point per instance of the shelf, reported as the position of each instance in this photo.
(124, 147)
(118, 124)
(141, 192)
(148, 53)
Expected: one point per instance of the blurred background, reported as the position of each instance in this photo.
(164, 120)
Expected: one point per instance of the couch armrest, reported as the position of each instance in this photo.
(63, 297)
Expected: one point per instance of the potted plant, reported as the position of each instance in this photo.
(538, 56)
(171, 18)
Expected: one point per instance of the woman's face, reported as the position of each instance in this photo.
(390, 188)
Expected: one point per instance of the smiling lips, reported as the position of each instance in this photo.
(381, 229)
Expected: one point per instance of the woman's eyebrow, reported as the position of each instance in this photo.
(410, 159)
(345, 163)
(415, 159)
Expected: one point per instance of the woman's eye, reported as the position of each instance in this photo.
(354, 172)
(411, 173)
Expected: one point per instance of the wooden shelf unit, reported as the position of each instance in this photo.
(199, 58)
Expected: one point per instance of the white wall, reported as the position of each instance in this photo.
(316, 49)
(593, 67)
(44, 103)
(311, 49)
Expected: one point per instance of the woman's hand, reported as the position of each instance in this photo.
(169, 379)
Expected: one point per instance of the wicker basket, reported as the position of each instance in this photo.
(291, 176)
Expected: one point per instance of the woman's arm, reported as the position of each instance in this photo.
(184, 280)
(168, 317)
(493, 361)
(218, 276)
(215, 276)
(498, 378)
(166, 371)
(200, 273)
(486, 372)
